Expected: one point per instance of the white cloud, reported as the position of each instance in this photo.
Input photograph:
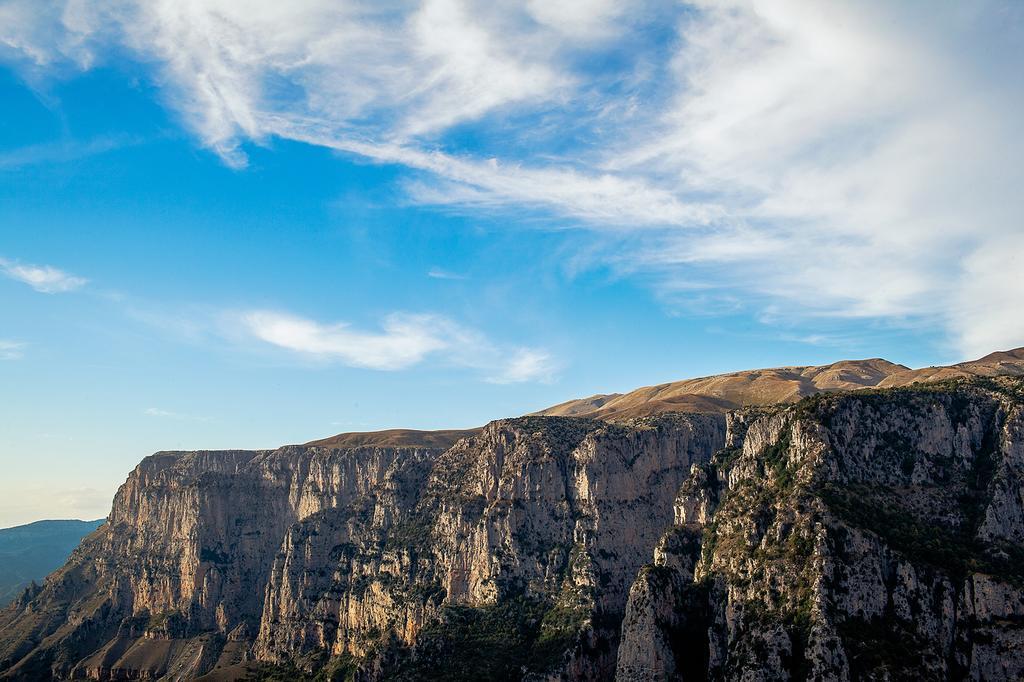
(589, 19)
(603, 199)
(11, 350)
(369, 67)
(526, 365)
(854, 160)
(405, 340)
(986, 311)
(470, 69)
(859, 157)
(43, 278)
(256, 70)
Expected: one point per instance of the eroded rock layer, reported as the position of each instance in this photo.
(850, 537)
(862, 535)
(291, 557)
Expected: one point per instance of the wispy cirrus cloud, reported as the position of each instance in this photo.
(43, 278)
(852, 160)
(525, 364)
(593, 196)
(403, 341)
(421, 68)
(60, 152)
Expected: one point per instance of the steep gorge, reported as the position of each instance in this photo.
(856, 535)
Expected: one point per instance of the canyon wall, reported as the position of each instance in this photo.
(864, 535)
(214, 560)
(859, 536)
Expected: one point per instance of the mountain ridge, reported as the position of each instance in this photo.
(784, 541)
(714, 393)
(734, 390)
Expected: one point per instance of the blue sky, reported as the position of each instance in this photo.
(241, 228)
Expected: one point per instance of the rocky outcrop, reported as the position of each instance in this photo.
(298, 555)
(179, 568)
(861, 536)
(553, 515)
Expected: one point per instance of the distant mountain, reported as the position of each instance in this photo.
(725, 392)
(394, 438)
(718, 393)
(33, 551)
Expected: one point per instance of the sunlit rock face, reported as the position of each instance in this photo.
(299, 554)
(866, 535)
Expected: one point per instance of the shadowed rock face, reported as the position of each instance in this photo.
(859, 536)
(862, 535)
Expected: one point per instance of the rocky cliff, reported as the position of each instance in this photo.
(513, 549)
(856, 535)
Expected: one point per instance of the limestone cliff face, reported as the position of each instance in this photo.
(553, 514)
(179, 568)
(867, 535)
(211, 559)
(863, 536)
